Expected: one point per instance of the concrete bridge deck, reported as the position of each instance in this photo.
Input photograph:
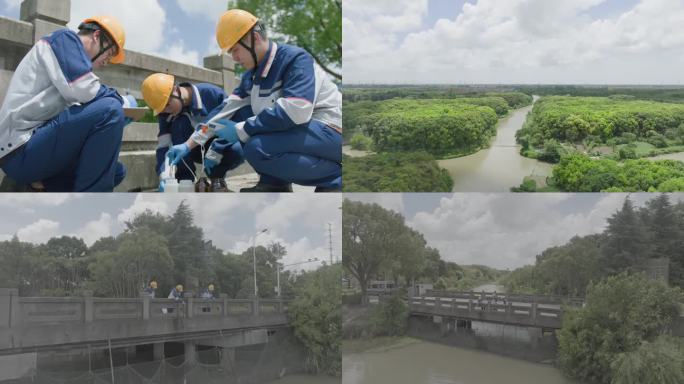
(29, 324)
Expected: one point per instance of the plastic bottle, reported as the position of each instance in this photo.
(171, 186)
(186, 186)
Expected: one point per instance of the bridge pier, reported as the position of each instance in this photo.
(536, 335)
(158, 351)
(190, 351)
(228, 358)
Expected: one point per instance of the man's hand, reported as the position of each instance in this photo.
(177, 152)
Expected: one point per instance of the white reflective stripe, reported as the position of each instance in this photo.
(213, 155)
(81, 90)
(233, 104)
(269, 63)
(164, 141)
(198, 97)
(240, 129)
(299, 110)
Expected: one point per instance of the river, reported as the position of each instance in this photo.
(423, 362)
(499, 167)
(306, 379)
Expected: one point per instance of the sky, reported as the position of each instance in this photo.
(180, 30)
(502, 230)
(231, 221)
(513, 42)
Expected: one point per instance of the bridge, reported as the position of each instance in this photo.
(543, 312)
(32, 325)
(521, 310)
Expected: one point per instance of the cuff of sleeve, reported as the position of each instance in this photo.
(240, 129)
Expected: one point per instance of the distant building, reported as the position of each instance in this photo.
(658, 269)
(380, 287)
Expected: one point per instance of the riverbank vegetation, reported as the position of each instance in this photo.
(395, 171)
(597, 142)
(635, 240)
(443, 122)
(620, 335)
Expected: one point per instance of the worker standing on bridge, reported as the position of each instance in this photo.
(176, 293)
(181, 107)
(294, 134)
(60, 128)
(151, 289)
(208, 292)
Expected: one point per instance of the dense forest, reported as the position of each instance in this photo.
(601, 119)
(633, 238)
(170, 249)
(395, 171)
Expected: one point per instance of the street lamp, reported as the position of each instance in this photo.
(254, 258)
(278, 267)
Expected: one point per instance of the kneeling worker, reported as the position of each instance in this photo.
(179, 108)
(60, 128)
(294, 134)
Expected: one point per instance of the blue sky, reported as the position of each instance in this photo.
(229, 220)
(513, 41)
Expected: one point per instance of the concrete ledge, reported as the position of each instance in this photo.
(15, 31)
(56, 11)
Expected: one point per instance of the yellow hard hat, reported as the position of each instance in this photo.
(153, 284)
(211, 287)
(232, 26)
(179, 288)
(115, 30)
(156, 90)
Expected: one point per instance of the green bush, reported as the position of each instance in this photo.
(361, 142)
(627, 153)
(391, 316)
(657, 362)
(394, 172)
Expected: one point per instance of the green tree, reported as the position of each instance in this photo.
(621, 313)
(316, 316)
(370, 237)
(627, 244)
(657, 362)
(315, 25)
(390, 318)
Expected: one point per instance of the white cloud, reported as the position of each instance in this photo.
(393, 201)
(96, 229)
(143, 202)
(299, 251)
(39, 232)
(508, 231)
(521, 41)
(36, 199)
(144, 22)
(210, 9)
(303, 209)
(178, 52)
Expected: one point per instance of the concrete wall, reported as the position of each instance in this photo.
(40, 17)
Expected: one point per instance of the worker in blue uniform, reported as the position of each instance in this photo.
(60, 128)
(179, 109)
(294, 133)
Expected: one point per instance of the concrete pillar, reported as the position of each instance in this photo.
(146, 307)
(535, 335)
(453, 325)
(88, 307)
(46, 15)
(8, 318)
(224, 299)
(158, 351)
(225, 65)
(189, 307)
(228, 358)
(444, 326)
(190, 352)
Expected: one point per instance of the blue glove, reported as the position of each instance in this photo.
(209, 164)
(162, 185)
(227, 131)
(177, 152)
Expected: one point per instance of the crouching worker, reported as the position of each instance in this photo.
(60, 128)
(293, 134)
(179, 108)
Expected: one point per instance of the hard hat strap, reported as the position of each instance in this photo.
(103, 48)
(251, 50)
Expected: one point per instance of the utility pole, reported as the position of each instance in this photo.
(330, 241)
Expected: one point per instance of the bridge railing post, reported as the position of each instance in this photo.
(9, 307)
(145, 306)
(88, 307)
(189, 307)
(533, 310)
(224, 298)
